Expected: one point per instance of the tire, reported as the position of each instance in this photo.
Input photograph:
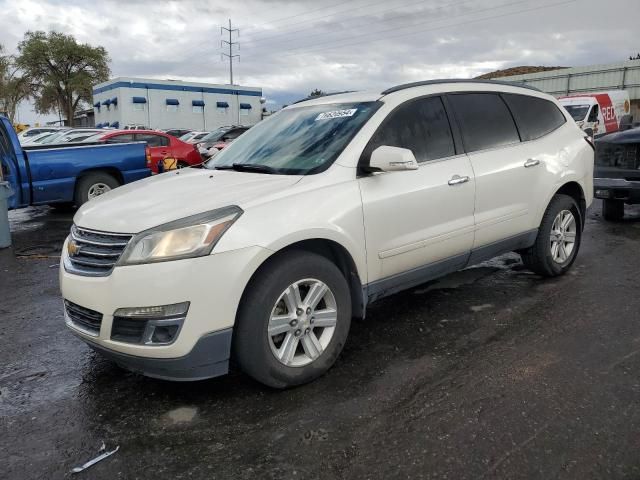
(255, 348)
(88, 184)
(542, 258)
(613, 210)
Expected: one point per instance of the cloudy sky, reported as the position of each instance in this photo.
(291, 47)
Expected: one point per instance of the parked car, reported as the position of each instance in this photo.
(135, 126)
(66, 136)
(67, 174)
(161, 146)
(211, 144)
(316, 212)
(176, 132)
(193, 137)
(617, 172)
(36, 139)
(34, 131)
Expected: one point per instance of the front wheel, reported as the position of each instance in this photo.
(558, 239)
(293, 320)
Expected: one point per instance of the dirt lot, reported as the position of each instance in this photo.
(489, 373)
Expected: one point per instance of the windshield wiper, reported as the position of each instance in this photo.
(247, 167)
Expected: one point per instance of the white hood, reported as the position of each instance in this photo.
(170, 196)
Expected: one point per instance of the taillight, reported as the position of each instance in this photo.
(589, 140)
(148, 154)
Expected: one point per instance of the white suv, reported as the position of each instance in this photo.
(266, 255)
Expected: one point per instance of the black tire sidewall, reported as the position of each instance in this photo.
(85, 182)
(250, 338)
(559, 203)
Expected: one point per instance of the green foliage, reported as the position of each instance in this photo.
(61, 71)
(13, 86)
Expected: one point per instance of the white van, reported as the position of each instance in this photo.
(600, 113)
(297, 226)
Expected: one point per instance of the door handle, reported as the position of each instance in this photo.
(457, 180)
(532, 162)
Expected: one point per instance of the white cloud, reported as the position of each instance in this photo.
(292, 47)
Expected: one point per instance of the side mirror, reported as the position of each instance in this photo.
(392, 159)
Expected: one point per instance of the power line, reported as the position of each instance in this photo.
(422, 31)
(319, 18)
(230, 44)
(454, 4)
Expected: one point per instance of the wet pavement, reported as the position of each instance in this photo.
(489, 373)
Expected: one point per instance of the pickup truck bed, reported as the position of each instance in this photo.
(64, 174)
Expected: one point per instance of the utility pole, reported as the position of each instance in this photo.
(230, 43)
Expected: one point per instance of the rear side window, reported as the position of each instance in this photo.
(421, 126)
(485, 121)
(535, 116)
(152, 140)
(120, 138)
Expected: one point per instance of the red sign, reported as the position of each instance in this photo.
(607, 111)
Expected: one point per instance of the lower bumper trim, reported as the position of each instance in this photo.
(209, 358)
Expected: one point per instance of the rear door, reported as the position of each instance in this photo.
(158, 147)
(418, 223)
(505, 193)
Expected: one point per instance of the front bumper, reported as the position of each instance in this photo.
(212, 284)
(617, 189)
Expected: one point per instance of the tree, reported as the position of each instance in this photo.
(62, 72)
(13, 86)
(316, 93)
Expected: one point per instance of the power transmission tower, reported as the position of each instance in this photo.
(230, 43)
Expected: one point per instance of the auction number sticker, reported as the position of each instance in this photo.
(337, 114)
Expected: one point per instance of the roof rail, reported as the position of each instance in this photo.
(404, 86)
(321, 96)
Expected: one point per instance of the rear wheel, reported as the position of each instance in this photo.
(293, 320)
(613, 210)
(558, 239)
(93, 185)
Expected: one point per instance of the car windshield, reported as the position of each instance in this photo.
(215, 135)
(186, 136)
(297, 141)
(578, 112)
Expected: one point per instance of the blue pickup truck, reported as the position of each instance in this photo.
(64, 175)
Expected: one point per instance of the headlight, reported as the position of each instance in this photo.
(189, 237)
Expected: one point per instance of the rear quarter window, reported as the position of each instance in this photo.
(484, 119)
(535, 116)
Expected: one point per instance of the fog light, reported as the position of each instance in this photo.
(602, 193)
(157, 325)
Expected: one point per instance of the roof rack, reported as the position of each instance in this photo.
(321, 96)
(404, 86)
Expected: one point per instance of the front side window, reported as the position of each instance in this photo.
(419, 125)
(297, 141)
(485, 121)
(535, 116)
(593, 116)
(152, 140)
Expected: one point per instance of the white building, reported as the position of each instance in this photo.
(174, 104)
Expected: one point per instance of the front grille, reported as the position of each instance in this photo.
(83, 318)
(127, 329)
(94, 253)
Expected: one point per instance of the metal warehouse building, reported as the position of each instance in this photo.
(174, 104)
(570, 81)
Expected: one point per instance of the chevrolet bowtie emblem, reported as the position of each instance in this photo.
(73, 248)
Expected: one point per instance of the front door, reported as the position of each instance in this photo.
(419, 223)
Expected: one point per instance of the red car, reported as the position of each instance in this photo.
(160, 145)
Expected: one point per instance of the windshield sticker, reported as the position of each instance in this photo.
(337, 114)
